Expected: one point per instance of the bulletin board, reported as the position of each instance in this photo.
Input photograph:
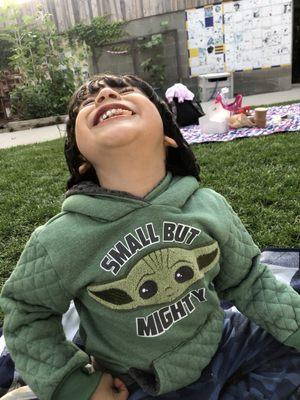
(239, 35)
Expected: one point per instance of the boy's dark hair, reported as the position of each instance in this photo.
(180, 161)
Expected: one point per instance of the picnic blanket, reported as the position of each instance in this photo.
(284, 263)
(192, 133)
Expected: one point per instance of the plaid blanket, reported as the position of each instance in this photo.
(284, 263)
(290, 123)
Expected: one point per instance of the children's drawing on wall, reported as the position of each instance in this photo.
(237, 6)
(276, 36)
(267, 41)
(263, 43)
(218, 16)
(208, 11)
(287, 8)
(228, 19)
(202, 56)
(218, 9)
(205, 39)
(256, 13)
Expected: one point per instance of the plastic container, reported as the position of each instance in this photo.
(215, 121)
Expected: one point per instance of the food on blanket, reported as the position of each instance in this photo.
(288, 116)
(276, 119)
(261, 117)
(240, 121)
(244, 110)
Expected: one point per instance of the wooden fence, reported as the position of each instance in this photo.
(66, 13)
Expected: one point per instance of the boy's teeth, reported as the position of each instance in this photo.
(114, 111)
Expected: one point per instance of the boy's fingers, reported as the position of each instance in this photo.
(123, 391)
(119, 384)
(106, 380)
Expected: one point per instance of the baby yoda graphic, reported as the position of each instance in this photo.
(160, 277)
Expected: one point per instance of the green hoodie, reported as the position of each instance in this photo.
(146, 276)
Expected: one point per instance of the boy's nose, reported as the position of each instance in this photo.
(107, 93)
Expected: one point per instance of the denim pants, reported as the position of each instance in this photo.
(249, 365)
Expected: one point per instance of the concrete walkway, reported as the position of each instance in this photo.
(52, 132)
(30, 136)
(268, 98)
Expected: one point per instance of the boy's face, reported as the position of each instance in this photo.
(116, 118)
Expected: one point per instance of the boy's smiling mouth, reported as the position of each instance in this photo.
(111, 111)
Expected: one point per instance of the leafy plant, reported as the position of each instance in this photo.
(156, 71)
(41, 100)
(37, 52)
(153, 65)
(154, 41)
(5, 53)
(99, 33)
(164, 24)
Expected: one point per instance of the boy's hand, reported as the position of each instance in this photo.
(110, 389)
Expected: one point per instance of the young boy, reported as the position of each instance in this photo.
(146, 255)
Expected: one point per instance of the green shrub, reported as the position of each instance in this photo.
(49, 97)
(100, 32)
(37, 52)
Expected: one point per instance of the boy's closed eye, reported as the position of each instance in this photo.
(126, 89)
(87, 102)
(90, 101)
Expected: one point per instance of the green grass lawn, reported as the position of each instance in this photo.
(259, 177)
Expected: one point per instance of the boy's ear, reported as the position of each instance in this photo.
(169, 142)
(84, 167)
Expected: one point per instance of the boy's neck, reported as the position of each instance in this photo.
(137, 179)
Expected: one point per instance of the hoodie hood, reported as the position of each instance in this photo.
(91, 200)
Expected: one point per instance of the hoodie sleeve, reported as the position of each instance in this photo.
(33, 300)
(252, 287)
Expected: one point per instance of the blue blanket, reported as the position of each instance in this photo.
(284, 263)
